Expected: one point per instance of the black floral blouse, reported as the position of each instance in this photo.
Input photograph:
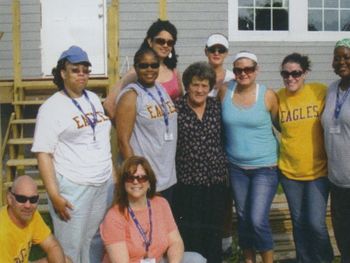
(200, 157)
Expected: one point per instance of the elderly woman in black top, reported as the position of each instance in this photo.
(200, 164)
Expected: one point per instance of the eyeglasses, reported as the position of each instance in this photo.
(146, 65)
(161, 41)
(23, 199)
(247, 70)
(78, 70)
(131, 178)
(220, 50)
(295, 74)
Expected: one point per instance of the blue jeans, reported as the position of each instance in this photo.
(307, 201)
(253, 192)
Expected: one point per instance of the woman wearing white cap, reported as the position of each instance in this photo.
(247, 113)
(216, 50)
(72, 143)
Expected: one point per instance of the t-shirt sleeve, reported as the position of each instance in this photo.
(41, 230)
(167, 215)
(46, 132)
(113, 227)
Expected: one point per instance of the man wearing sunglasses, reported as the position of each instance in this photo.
(21, 226)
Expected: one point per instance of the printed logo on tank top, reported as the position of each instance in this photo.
(155, 110)
(81, 120)
(301, 113)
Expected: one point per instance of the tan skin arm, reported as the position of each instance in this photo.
(176, 247)
(109, 103)
(179, 81)
(118, 252)
(54, 250)
(221, 92)
(47, 172)
(125, 118)
(272, 104)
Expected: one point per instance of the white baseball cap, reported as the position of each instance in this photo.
(217, 39)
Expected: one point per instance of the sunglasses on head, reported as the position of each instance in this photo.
(78, 70)
(23, 199)
(295, 74)
(147, 65)
(246, 70)
(220, 50)
(162, 41)
(131, 178)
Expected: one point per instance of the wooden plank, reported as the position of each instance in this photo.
(23, 121)
(28, 102)
(21, 141)
(22, 162)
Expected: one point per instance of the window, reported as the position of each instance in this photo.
(288, 20)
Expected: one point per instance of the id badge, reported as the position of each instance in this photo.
(334, 129)
(168, 136)
(148, 260)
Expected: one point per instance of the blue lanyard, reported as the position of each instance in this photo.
(162, 104)
(93, 122)
(147, 241)
(339, 102)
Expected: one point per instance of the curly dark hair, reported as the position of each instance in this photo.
(297, 58)
(56, 72)
(201, 70)
(154, 30)
(129, 167)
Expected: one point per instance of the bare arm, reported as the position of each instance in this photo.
(176, 247)
(125, 118)
(272, 104)
(47, 172)
(110, 102)
(118, 253)
(179, 81)
(221, 92)
(54, 250)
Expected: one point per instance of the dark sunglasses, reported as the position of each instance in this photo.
(162, 42)
(146, 65)
(220, 50)
(131, 178)
(295, 74)
(23, 199)
(247, 70)
(78, 70)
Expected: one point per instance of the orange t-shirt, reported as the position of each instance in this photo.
(117, 227)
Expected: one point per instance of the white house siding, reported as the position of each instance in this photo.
(30, 37)
(194, 19)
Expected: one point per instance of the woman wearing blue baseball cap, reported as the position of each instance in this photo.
(72, 145)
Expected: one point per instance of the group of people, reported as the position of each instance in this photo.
(186, 144)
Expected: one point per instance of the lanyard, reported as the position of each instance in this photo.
(93, 122)
(147, 241)
(162, 104)
(339, 102)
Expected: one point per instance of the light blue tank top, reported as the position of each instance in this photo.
(249, 140)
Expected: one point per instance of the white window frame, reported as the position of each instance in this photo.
(298, 21)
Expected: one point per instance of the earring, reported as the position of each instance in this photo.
(170, 55)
